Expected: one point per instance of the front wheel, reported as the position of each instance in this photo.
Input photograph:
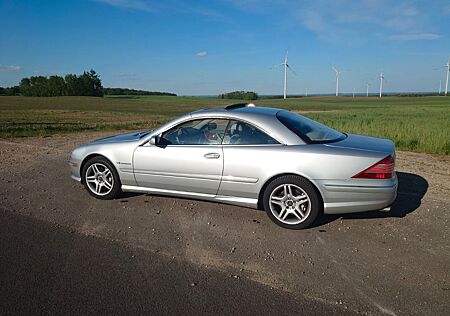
(292, 202)
(100, 178)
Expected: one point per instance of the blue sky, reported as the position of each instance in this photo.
(209, 47)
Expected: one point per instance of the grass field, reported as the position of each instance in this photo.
(419, 124)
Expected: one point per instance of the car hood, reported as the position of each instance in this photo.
(368, 143)
(128, 137)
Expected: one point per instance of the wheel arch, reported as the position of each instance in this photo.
(90, 156)
(269, 180)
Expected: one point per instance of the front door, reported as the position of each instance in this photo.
(188, 158)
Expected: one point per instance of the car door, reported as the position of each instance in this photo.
(187, 158)
(248, 157)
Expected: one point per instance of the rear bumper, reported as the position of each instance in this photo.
(357, 195)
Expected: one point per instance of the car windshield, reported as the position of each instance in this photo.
(308, 130)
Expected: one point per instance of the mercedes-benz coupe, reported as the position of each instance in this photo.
(284, 163)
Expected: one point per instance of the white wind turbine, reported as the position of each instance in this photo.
(442, 71)
(338, 73)
(448, 71)
(381, 83)
(367, 89)
(286, 66)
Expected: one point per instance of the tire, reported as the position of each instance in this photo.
(100, 183)
(292, 202)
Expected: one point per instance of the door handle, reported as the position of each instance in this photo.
(212, 156)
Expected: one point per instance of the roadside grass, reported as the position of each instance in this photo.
(420, 124)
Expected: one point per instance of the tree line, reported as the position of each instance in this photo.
(240, 95)
(86, 84)
(126, 91)
(10, 90)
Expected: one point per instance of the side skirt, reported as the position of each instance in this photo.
(240, 201)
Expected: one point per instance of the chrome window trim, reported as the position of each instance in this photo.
(229, 118)
(227, 145)
(191, 120)
(253, 145)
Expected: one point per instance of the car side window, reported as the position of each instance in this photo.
(240, 133)
(196, 132)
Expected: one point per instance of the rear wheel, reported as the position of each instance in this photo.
(292, 202)
(100, 179)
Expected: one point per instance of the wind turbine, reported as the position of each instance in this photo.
(448, 71)
(338, 73)
(286, 66)
(381, 83)
(367, 89)
(354, 93)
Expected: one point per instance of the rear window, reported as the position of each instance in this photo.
(240, 133)
(308, 130)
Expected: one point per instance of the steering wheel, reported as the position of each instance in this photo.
(234, 139)
(182, 132)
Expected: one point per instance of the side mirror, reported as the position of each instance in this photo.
(154, 141)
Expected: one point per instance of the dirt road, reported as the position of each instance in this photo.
(382, 263)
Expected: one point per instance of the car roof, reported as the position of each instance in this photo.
(235, 111)
(257, 109)
(262, 117)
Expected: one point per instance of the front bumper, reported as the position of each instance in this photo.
(74, 166)
(76, 178)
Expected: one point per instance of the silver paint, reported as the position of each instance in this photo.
(236, 174)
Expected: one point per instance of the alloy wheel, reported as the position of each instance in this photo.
(99, 179)
(290, 204)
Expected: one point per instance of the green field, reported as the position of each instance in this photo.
(419, 124)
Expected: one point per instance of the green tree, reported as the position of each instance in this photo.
(241, 95)
(25, 87)
(87, 84)
(72, 85)
(56, 86)
(126, 91)
(15, 90)
(91, 84)
(39, 86)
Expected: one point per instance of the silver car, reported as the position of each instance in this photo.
(292, 167)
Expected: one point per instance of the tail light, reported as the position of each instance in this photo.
(383, 169)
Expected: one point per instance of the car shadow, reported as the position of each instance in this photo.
(127, 195)
(411, 189)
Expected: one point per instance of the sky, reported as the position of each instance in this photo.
(210, 47)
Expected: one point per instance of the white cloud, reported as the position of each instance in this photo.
(341, 19)
(9, 68)
(129, 4)
(179, 7)
(349, 16)
(414, 37)
(202, 54)
(410, 12)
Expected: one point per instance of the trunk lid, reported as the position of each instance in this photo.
(366, 143)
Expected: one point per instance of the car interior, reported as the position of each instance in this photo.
(215, 132)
